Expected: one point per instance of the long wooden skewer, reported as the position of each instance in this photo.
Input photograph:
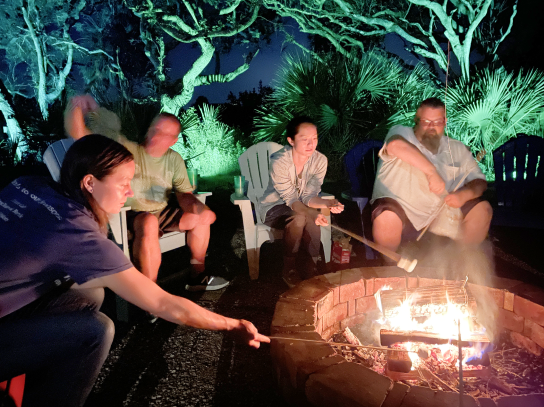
(402, 262)
(340, 344)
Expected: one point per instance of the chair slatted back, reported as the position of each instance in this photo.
(361, 164)
(54, 156)
(254, 165)
(519, 172)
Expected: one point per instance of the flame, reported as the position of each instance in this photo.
(437, 318)
(440, 318)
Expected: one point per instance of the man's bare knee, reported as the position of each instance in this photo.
(146, 224)
(387, 229)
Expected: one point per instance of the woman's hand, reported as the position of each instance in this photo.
(247, 333)
(334, 205)
(321, 220)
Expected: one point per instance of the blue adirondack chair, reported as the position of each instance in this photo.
(361, 163)
(519, 182)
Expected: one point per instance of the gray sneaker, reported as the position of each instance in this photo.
(206, 283)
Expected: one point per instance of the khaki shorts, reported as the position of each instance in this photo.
(168, 218)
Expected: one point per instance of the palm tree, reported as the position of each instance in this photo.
(494, 106)
(346, 97)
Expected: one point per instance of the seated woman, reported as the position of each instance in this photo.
(56, 261)
(291, 200)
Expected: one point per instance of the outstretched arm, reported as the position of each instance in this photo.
(74, 123)
(142, 292)
(398, 146)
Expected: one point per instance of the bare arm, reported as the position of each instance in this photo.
(77, 108)
(318, 218)
(399, 147)
(333, 204)
(142, 292)
(473, 189)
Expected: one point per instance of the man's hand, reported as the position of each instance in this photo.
(436, 183)
(455, 199)
(247, 333)
(85, 102)
(334, 205)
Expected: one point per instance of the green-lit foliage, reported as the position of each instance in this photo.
(490, 108)
(207, 144)
(349, 99)
(493, 107)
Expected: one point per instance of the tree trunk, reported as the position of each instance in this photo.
(15, 135)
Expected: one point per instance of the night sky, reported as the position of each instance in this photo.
(522, 48)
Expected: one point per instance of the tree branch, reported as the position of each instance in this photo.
(509, 29)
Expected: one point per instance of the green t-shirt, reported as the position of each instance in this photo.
(155, 178)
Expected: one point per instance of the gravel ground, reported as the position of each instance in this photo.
(165, 365)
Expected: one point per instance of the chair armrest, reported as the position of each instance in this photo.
(237, 200)
(201, 196)
(324, 195)
(118, 226)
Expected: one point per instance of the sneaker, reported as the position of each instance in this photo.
(151, 318)
(291, 278)
(206, 283)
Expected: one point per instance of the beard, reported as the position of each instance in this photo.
(431, 140)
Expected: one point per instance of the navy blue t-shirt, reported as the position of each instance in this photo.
(47, 238)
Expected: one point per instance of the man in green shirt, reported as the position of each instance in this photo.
(160, 174)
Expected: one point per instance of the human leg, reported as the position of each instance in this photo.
(311, 239)
(60, 342)
(284, 218)
(146, 250)
(388, 220)
(476, 222)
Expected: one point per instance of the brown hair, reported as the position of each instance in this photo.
(96, 155)
(434, 103)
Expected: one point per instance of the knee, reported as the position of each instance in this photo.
(146, 224)
(298, 220)
(100, 331)
(207, 217)
(487, 210)
(387, 221)
(482, 212)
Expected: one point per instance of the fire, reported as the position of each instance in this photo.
(414, 315)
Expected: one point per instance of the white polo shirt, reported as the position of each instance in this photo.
(409, 186)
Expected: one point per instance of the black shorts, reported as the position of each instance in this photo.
(389, 204)
(168, 218)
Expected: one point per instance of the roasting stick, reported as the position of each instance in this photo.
(402, 262)
(340, 344)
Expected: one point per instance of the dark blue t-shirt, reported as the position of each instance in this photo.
(47, 238)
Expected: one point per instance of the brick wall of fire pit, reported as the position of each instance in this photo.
(311, 374)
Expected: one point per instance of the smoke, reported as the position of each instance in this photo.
(443, 258)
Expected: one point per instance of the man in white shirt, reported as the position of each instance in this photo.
(418, 171)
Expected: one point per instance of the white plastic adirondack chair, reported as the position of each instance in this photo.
(53, 157)
(254, 166)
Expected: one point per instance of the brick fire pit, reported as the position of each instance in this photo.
(314, 375)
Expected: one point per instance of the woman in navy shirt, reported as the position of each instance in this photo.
(56, 261)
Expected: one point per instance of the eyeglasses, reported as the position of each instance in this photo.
(433, 123)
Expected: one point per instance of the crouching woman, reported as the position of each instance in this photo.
(56, 261)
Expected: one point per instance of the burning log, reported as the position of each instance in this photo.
(390, 337)
(484, 373)
(399, 362)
